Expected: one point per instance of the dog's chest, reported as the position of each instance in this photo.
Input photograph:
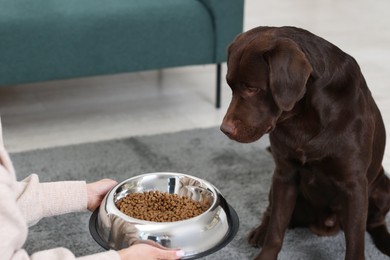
(297, 146)
(317, 185)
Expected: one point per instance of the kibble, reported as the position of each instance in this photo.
(159, 206)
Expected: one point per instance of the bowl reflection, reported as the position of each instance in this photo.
(197, 236)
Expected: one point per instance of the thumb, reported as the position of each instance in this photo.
(97, 190)
(104, 186)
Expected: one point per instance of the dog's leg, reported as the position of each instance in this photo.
(302, 217)
(354, 216)
(379, 206)
(256, 237)
(283, 197)
(381, 237)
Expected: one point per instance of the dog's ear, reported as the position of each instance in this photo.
(289, 71)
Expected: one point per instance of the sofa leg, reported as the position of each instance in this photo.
(218, 89)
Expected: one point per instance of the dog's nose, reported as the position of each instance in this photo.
(228, 129)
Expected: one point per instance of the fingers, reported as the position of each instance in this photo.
(170, 254)
(104, 186)
(96, 192)
(144, 251)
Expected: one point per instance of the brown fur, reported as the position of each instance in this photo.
(326, 133)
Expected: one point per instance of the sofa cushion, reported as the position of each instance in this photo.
(44, 40)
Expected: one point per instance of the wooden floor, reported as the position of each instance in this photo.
(99, 108)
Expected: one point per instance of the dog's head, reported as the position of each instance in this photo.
(267, 76)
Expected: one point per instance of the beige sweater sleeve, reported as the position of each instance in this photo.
(29, 201)
(38, 200)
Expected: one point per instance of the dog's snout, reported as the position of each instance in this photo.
(228, 129)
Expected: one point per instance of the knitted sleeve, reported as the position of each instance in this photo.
(37, 200)
(30, 201)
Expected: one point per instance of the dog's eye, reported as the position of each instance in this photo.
(251, 91)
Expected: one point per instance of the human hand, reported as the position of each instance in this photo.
(96, 192)
(148, 252)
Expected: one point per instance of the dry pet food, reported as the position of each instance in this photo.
(160, 206)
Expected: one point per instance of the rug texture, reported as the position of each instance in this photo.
(242, 172)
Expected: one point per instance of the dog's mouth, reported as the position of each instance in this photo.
(245, 134)
(269, 129)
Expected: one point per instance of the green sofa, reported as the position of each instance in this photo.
(44, 40)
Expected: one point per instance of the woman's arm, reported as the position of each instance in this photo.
(37, 200)
(13, 228)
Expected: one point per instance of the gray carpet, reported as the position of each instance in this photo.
(242, 172)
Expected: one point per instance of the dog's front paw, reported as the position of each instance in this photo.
(263, 256)
(256, 237)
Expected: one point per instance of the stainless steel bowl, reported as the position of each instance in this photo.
(197, 237)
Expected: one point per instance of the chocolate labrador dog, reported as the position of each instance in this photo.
(326, 134)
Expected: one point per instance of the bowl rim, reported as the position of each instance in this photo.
(111, 194)
(233, 221)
